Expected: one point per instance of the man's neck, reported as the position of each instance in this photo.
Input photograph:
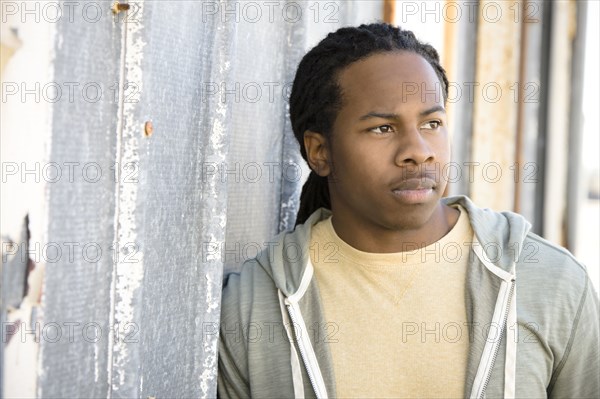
(368, 237)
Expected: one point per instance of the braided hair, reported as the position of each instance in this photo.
(316, 97)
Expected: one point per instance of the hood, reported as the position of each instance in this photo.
(286, 257)
(501, 233)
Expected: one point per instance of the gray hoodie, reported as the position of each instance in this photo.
(532, 314)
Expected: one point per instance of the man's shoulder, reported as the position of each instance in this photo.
(251, 275)
(548, 274)
(537, 251)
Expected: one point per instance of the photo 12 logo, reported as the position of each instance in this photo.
(73, 253)
(251, 172)
(68, 172)
(54, 12)
(270, 11)
(70, 92)
(425, 12)
(68, 331)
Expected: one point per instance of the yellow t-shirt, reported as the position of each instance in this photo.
(396, 322)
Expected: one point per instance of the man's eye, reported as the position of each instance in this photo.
(382, 129)
(432, 125)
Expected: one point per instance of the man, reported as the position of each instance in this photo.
(384, 288)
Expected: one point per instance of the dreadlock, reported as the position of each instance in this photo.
(315, 98)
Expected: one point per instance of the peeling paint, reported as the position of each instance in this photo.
(25, 139)
(215, 194)
(212, 302)
(127, 276)
(209, 367)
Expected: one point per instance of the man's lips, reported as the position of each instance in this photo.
(416, 190)
(417, 183)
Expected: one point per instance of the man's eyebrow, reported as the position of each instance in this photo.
(383, 115)
(378, 115)
(437, 108)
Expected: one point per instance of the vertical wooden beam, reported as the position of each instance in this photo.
(448, 62)
(520, 112)
(548, 19)
(576, 185)
(495, 109)
(460, 62)
(559, 87)
(450, 34)
(528, 139)
(389, 10)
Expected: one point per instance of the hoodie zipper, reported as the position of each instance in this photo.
(497, 344)
(307, 361)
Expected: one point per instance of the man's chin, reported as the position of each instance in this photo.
(415, 216)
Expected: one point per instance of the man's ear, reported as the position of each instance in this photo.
(317, 152)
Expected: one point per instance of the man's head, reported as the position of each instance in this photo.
(317, 96)
(348, 72)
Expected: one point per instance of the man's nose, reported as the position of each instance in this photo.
(413, 148)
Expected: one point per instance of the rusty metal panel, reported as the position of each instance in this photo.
(460, 53)
(530, 169)
(495, 108)
(555, 175)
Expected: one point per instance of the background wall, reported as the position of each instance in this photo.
(147, 152)
(522, 109)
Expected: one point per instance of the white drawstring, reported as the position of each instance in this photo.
(510, 365)
(294, 358)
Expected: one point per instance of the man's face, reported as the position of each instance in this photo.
(389, 144)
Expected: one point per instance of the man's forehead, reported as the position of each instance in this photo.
(398, 76)
(390, 65)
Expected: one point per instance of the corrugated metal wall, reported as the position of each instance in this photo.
(177, 163)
